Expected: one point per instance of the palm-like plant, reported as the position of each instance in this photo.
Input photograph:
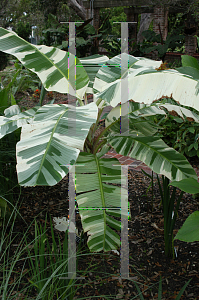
(47, 151)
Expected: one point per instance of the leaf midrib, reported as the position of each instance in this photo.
(49, 143)
(154, 150)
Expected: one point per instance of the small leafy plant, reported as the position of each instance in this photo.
(38, 267)
(170, 213)
(180, 134)
(172, 41)
(17, 80)
(48, 263)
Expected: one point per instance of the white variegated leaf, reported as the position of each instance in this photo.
(11, 111)
(109, 76)
(8, 125)
(135, 110)
(137, 127)
(98, 200)
(181, 111)
(49, 63)
(50, 145)
(92, 64)
(155, 154)
(153, 85)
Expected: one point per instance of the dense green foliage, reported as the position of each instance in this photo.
(23, 30)
(57, 35)
(181, 135)
(153, 42)
(110, 15)
(178, 133)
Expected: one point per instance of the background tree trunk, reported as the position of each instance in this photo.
(146, 19)
(78, 8)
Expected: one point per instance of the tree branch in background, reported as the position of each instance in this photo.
(146, 19)
(78, 8)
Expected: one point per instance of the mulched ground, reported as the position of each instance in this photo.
(147, 261)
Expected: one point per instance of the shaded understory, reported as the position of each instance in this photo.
(147, 261)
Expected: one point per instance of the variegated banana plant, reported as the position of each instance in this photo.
(46, 152)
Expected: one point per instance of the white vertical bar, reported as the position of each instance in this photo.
(124, 254)
(71, 132)
(71, 231)
(124, 77)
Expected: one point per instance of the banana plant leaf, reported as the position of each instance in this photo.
(108, 78)
(137, 127)
(145, 83)
(189, 232)
(155, 154)
(99, 201)
(188, 185)
(47, 150)
(92, 64)
(181, 111)
(136, 110)
(15, 119)
(12, 110)
(49, 63)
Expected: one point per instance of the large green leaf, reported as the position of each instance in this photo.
(49, 63)
(98, 200)
(188, 185)
(47, 151)
(189, 61)
(189, 232)
(155, 154)
(190, 71)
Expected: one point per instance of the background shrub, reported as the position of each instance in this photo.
(3, 60)
(24, 30)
